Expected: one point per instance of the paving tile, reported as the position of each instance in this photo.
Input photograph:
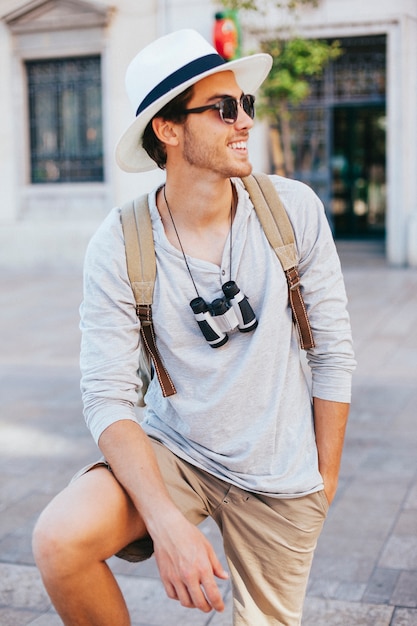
(16, 617)
(371, 427)
(404, 423)
(16, 547)
(382, 400)
(38, 476)
(47, 619)
(411, 501)
(405, 592)
(319, 612)
(355, 452)
(362, 549)
(376, 498)
(21, 587)
(358, 528)
(20, 513)
(391, 460)
(321, 586)
(400, 552)
(366, 518)
(381, 586)
(404, 617)
(351, 592)
(406, 523)
(344, 569)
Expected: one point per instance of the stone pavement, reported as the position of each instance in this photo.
(365, 568)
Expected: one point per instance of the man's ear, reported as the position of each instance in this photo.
(165, 131)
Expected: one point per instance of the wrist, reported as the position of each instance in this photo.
(330, 486)
(163, 517)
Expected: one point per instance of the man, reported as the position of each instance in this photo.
(244, 439)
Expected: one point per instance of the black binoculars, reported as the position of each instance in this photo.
(224, 314)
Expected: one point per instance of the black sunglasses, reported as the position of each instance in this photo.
(228, 108)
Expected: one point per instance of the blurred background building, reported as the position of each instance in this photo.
(63, 107)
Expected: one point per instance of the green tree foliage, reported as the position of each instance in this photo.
(262, 5)
(296, 60)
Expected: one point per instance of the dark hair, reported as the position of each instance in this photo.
(172, 112)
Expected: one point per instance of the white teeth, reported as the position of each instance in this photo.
(239, 145)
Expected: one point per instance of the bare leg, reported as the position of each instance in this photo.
(92, 519)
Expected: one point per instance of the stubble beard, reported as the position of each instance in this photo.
(201, 154)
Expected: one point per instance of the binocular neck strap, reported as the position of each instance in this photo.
(234, 200)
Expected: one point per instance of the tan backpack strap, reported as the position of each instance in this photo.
(140, 253)
(141, 268)
(279, 232)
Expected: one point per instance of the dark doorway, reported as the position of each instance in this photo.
(358, 171)
(338, 138)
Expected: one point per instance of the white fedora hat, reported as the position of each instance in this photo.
(163, 70)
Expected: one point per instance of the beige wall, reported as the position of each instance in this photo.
(49, 225)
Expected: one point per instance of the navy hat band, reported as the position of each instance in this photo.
(192, 69)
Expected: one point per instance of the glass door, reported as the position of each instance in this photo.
(358, 201)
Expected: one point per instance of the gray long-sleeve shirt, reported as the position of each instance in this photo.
(242, 411)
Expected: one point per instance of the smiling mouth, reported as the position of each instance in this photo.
(239, 146)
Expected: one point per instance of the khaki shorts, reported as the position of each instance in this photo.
(268, 542)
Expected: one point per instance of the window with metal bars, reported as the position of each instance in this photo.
(65, 109)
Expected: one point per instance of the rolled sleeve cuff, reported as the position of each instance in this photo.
(101, 420)
(334, 389)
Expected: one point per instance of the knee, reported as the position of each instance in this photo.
(53, 546)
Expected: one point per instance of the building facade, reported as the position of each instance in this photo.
(64, 106)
